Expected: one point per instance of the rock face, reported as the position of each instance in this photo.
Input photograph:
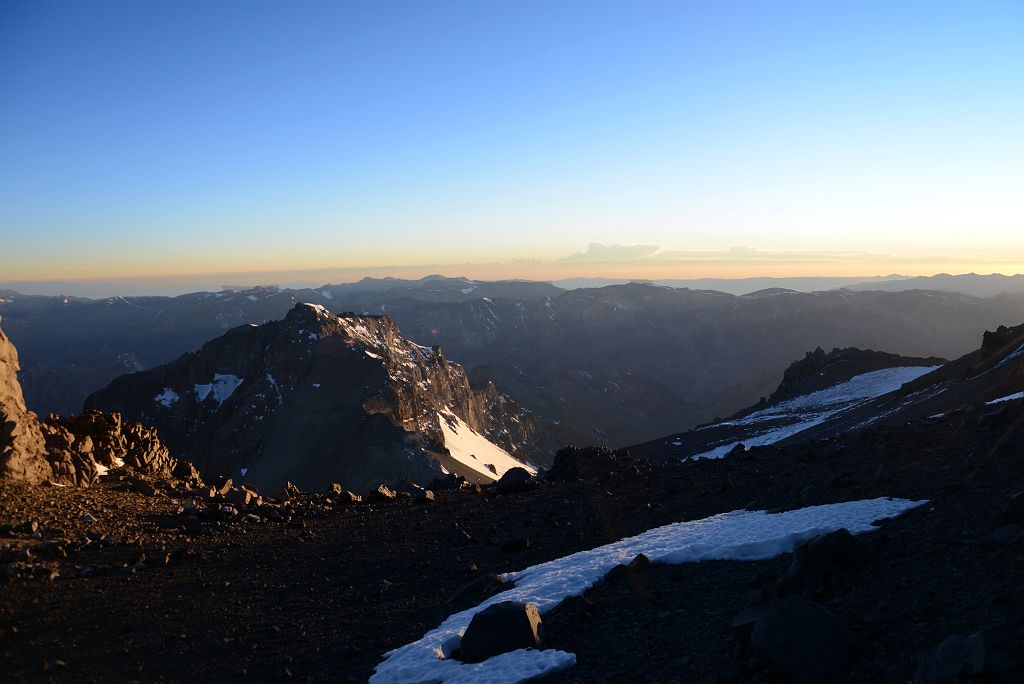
(22, 447)
(74, 450)
(318, 397)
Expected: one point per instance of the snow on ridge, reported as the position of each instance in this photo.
(739, 535)
(316, 307)
(1008, 397)
(808, 410)
(473, 450)
(222, 387)
(167, 398)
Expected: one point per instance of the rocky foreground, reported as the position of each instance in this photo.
(145, 578)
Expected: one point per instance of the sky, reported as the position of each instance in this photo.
(510, 139)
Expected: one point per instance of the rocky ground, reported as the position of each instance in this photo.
(134, 580)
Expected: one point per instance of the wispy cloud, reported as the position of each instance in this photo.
(640, 254)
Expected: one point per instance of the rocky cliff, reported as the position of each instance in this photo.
(72, 450)
(318, 397)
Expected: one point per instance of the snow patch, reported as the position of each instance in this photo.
(473, 450)
(167, 397)
(222, 387)
(326, 294)
(739, 535)
(316, 307)
(1008, 397)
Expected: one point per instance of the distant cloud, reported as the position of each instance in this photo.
(600, 252)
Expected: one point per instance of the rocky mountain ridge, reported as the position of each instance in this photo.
(319, 397)
(845, 391)
(71, 450)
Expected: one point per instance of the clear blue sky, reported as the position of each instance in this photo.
(176, 137)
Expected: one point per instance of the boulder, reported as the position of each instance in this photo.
(802, 641)
(514, 480)
(500, 628)
(347, 497)
(994, 653)
(588, 463)
(819, 560)
(1014, 511)
(382, 493)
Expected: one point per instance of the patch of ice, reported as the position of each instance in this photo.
(739, 535)
(473, 450)
(812, 409)
(1008, 397)
(222, 387)
(167, 397)
(277, 390)
(244, 471)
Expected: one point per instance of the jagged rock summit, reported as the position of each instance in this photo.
(72, 450)
(317, 398)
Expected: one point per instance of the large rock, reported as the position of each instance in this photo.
(500, 628)
(514, 480)
(994, 653)
(22, 447)
(819, 560)
(802, 641)
(587, 463)
(1014, 511)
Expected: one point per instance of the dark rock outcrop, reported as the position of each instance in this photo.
(582, 463)
(500, 628)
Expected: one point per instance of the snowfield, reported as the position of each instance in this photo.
(473, 450)
(167, 398)
(739, 535)
(222, 387)
(803, 412)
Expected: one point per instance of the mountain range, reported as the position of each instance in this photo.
(616, 365)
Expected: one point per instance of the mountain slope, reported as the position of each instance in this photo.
(823, 396)
(316, 398)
